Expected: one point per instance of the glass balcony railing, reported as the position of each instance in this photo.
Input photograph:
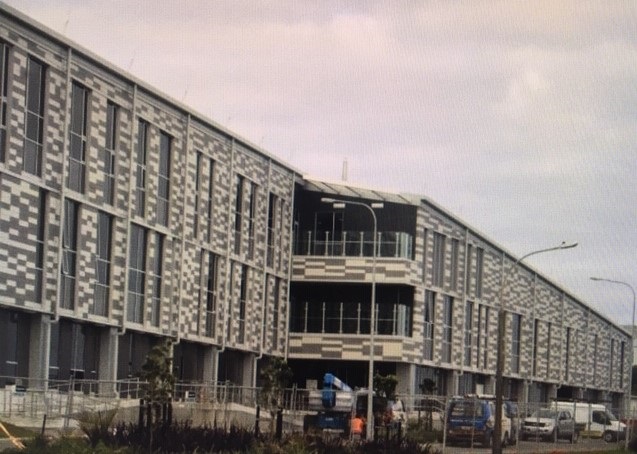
(355, 244)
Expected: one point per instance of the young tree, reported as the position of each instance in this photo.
(157, 373)
(275, 376)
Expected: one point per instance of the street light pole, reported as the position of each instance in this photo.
(336, 203)
(632, 353)
(497, 429)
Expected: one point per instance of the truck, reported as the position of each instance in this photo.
(594, 420)
(335, 405)
(471, 419)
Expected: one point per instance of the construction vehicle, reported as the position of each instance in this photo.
(335, 405)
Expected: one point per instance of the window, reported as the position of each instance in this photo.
(103, 263)
(621, 364)
(163, 185)
(439, 259)
(210, 199)
(455, 246)
(156, 275)
(567, 353)
(425, 234)
(243, 296)
(516, 327)
(536, 334)
(109, 152)
(479, 264)
(611, 363)
(69, 254)
(211, 292)
(136, 274)
(140, 168)
(273, 202)
(447, 329)
(252, 212)
(40, 245)
(34, 122)
(430, 298)
(275, 313)
(595, 351)
(548, 350)
(4, 95)
(77, 138)
(483, 337)
(198, 159)
(238, 213)
(469, 266)
(468, 332)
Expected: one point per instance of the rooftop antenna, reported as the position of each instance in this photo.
(344, 174)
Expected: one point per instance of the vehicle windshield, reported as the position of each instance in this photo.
(544, 413)
(466, 408)
(611, 416)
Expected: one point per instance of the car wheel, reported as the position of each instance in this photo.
(608, 436)
(487, 441)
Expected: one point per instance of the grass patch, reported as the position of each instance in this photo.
(16, 431)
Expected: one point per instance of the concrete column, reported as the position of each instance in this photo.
(107, 373)
(209, 363)
(552, 392)
(489, 385)
(406, 375)
(249, 366)
(39, 350)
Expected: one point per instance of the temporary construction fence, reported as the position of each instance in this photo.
(226, 404)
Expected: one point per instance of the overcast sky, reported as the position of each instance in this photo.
(518, 117)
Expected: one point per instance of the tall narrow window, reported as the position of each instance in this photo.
(140, 168)
(428, 345)
(595, 352)
(447, 328)
(163, 183)
(156, 274)
(455, 247)
(468, 332)
(69, 254)
(4, 94)
(275, 313)
(210, 199)
(77, 138)
(425, 235)
(252, 210)
(109, 152)
(198, 161)
(621, 364)
(439, 259)
(211, 293)
(103, 263)
(567, 353)
(536, 334)
(238, 213)
(548, 350)
(136, 274)
(611, 363)
(34, 123)
(272, 209)
(516, 327)
(479, 265)
(40, 250)
(483, 361)
(243, 303)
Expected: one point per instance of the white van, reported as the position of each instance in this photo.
(594, 420)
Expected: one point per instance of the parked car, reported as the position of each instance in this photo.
(472, 420)
(550, 425)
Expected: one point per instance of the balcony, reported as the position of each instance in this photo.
(355, 244)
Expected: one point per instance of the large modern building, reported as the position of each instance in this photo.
(127, 218)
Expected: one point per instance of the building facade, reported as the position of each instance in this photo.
(437, 297)
(127, 218)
